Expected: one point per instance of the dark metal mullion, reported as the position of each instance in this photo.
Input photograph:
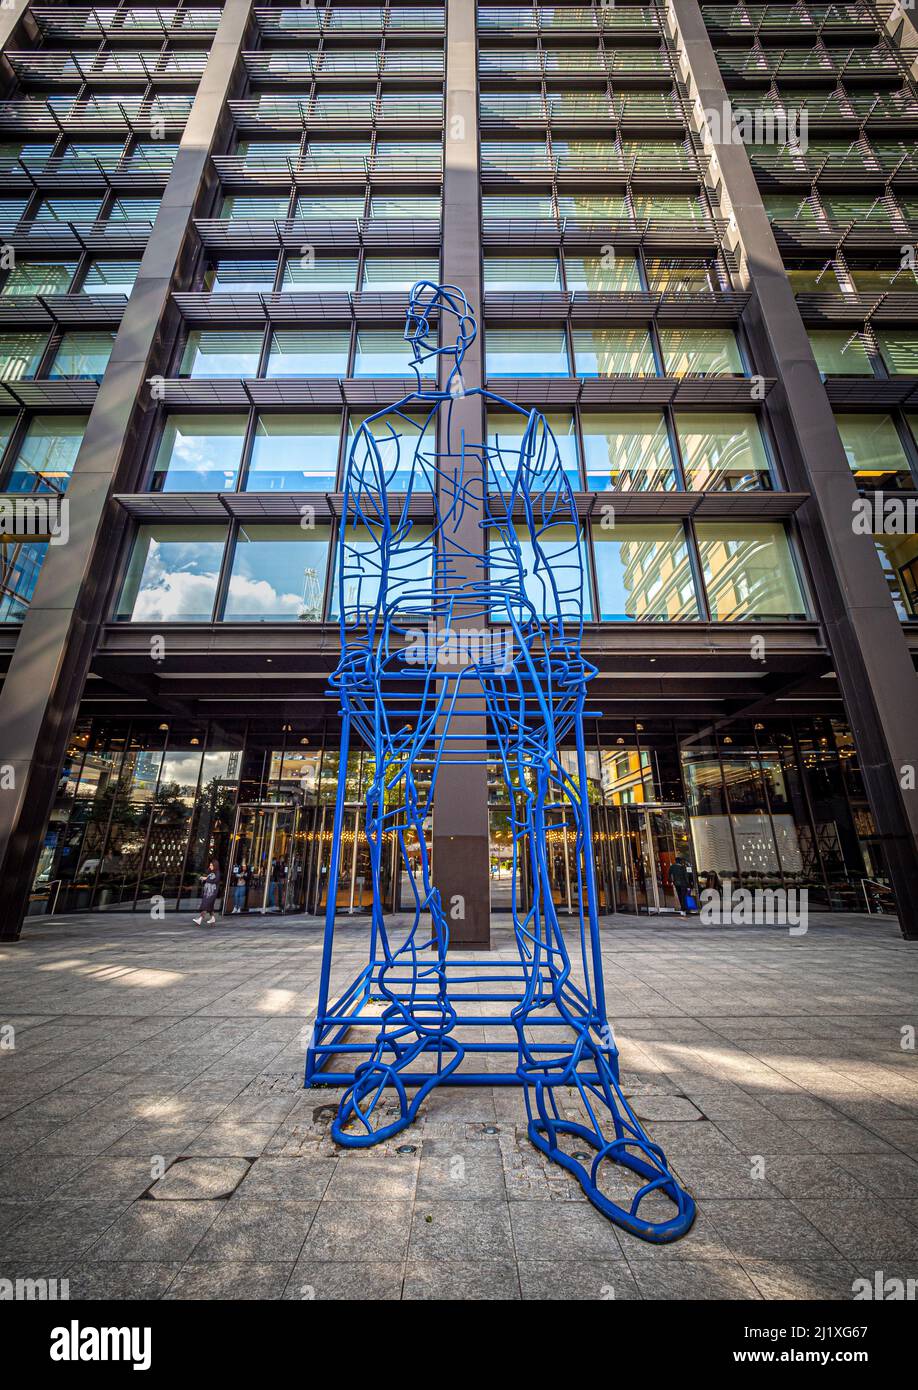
(248, 442)
(675, 447)
(697, 569)
(592, 579)
(336, 528)
(226, 567)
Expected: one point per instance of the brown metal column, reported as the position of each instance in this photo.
(461, 853)
(871, 658)
(41, 693)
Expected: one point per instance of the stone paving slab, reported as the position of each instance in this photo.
(156, 1140)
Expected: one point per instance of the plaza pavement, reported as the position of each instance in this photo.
(156, 1140)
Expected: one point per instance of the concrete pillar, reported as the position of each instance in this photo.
(461, 854)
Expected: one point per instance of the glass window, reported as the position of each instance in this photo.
(199, 453)
(68, 210)
(613, 352)
(629, 452)
(397, 206)
(405, 156)
(384, 352)
(410, 574)
(83, 355)
(389, 274)
(899, 348)
(815, 279)
(899, 558)
(11, 210)
(330, 207)
(240, 277)
(324, 273)
(267, 154)
(593, 207)
(251, 207)
(153, 155)
(526, 206)
(611, 272)
(33, 154)
(20, 354)
(788, 207)
(80, 158)
(503, 274)
(20, 562)
(172, 575)
(874, 450)
(294, 453)
(404, 448)
(521, 352)
(298, 352)
(643, 573)
(839, 352)
(40, 277)
(566, 593)
(748, 571)
(701, 352)
(869, 279)
(506, 430)
(841, 208)
(683, 274)
(213, 352)
(722, 452)
(47, 454)
(278, 575)
(110, 277)
(674, 207)
(141, 210)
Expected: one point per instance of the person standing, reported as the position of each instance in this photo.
(680, 878)
(242, 877)
(210, 890)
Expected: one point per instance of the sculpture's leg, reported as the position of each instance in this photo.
(628, 1177)
(418, 1018)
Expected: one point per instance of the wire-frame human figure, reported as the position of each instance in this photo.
(451, 653)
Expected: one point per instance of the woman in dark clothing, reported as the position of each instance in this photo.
(211, 889)
(680, 878)
(242, 877)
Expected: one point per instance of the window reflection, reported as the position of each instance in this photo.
(172, 575)
(629, 452)
(278, 574)
(748, 571)
(643, 573)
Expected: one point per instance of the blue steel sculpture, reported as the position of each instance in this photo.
(451, 656)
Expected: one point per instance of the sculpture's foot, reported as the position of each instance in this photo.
(628, 1179)
(357, 1123)
(638, 1156)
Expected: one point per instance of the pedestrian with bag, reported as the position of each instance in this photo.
(209, 894)
(680, 878)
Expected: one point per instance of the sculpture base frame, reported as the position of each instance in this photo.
(354, 1013)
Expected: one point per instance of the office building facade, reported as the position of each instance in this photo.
(688, 232)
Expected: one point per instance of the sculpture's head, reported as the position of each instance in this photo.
(429, 305)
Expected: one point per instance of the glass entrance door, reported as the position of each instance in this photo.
(652, 838)
(354, 889)
(267, 838)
